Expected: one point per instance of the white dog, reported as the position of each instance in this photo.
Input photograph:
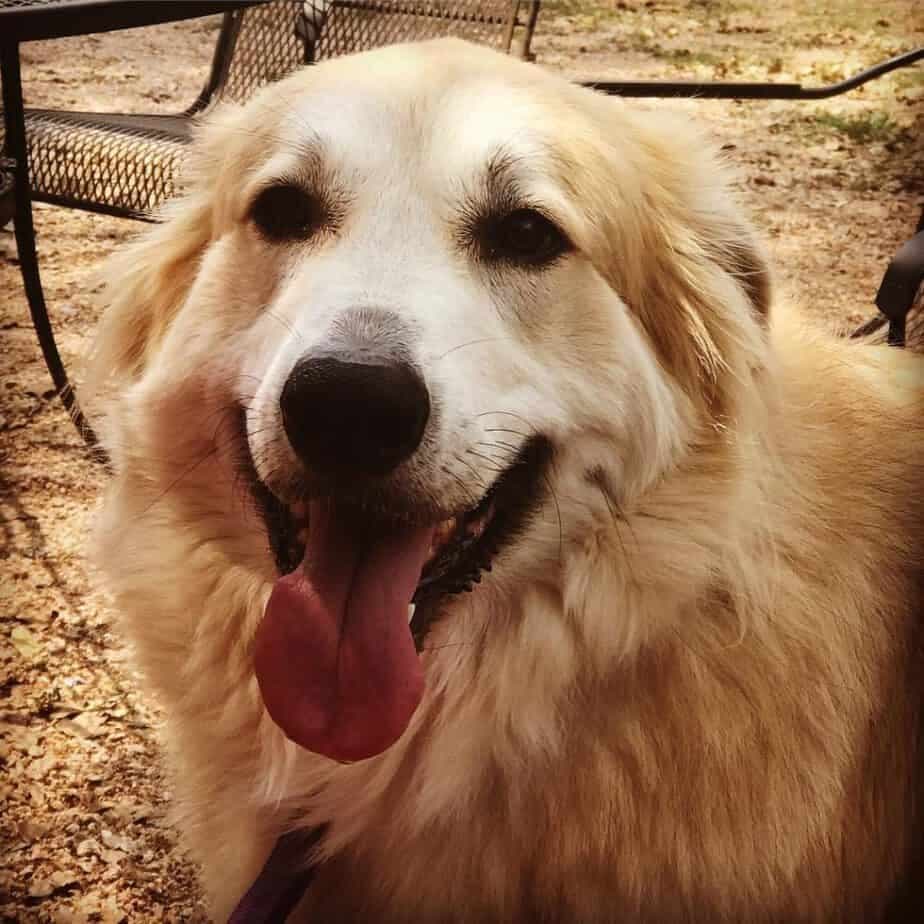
(429, 320)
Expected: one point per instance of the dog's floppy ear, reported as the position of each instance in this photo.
(147, 282)
(677, 248)
(709, 284)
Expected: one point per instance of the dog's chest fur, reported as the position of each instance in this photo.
(695, 787)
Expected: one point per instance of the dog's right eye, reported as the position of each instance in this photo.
(286, 213)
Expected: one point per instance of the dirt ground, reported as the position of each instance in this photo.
(835, 186)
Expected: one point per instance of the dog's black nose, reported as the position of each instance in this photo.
(363, 416)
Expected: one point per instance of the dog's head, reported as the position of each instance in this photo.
(438, 314)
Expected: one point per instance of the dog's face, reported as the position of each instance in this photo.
(440, 315)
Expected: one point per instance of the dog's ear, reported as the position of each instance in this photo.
(147, 282)
(677, 248)
(711, 276)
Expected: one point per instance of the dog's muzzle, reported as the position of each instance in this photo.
(361, 548)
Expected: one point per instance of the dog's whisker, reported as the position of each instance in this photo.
(531, 427)
(506, 430)
(512, 450)
(492, 467)
(216, 446)
(500, 460)
(466, 491)
(469, 343)
(489, 459)
(285, 324)
(561, 540)
(179, 478)
(446, 645)
(482, 485)
(618, 518)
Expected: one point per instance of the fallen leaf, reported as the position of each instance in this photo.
(32, 830)
(116, 841)
(85, 725)
(40, 888)
(112, 857)
(88, 846)
(25, 642)
(61, 879)
(38, 769)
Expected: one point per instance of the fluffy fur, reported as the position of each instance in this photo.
(691, 690)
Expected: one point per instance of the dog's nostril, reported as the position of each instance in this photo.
(342, 414)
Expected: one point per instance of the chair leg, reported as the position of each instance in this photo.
(14, 123)
(900, 285)
(898, 290)
(526, 52)
(7, 179)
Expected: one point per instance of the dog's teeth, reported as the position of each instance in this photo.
(441, 535)
(410, 611)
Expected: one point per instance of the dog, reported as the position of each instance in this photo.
(474, 507)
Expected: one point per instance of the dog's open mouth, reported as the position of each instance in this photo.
(335, 656)
(462, 547)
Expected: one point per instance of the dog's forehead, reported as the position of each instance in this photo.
(451, 130)
(480, 120)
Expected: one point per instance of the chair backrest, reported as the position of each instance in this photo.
(358, 25)
(261, 44)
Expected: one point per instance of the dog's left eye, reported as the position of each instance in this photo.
(286, 213)
(526, 237)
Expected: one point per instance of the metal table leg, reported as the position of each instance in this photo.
(15, 142)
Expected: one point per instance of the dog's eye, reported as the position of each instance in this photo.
(286, 212)
(526, 237)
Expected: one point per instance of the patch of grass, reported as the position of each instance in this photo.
(867, 126)
(851, 17)
(828, 73)
(908, 78)
(723, 7)
(643, 40)
(585, 12)
(583, 17)
(686, 56)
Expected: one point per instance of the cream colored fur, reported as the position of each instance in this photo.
(690, 691)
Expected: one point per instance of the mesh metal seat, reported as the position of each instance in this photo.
(126, 165)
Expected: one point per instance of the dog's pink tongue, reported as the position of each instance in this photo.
(334, 655)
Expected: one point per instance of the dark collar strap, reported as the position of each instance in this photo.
(282, 882)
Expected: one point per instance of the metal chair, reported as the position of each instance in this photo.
(126, 165)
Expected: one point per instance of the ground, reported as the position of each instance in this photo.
(835, 187)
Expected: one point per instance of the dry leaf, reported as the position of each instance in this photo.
(43, 887)
(88, 846)
(116, 841)
(38, 769)
(40, 888)
(31, 831)
(85, 725)
(25, 642)
(63, 878)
